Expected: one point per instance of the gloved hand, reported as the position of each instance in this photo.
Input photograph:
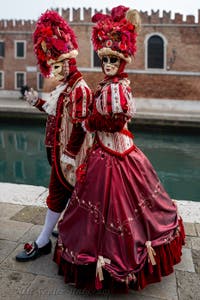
(31, 96)
(68, 168)
(69, 161)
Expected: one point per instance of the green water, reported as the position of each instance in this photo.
(175, 157)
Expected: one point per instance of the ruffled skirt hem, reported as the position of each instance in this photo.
(84, 276)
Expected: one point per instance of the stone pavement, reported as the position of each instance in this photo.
(39, 280)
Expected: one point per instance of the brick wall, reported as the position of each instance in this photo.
(157, 86)
(180, 79)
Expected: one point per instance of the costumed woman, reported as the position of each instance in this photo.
(56, 48)
(125, 231)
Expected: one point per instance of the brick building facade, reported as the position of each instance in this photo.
(167, 63)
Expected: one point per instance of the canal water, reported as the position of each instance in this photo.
(174, 155)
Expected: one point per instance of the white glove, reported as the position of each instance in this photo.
(31, 96)
(68, 160)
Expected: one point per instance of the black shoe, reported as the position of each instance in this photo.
(31, 251)
(55, 233)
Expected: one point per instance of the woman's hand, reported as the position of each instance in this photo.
(68, 161)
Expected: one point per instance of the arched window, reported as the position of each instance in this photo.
(155, 54)
(96, 60)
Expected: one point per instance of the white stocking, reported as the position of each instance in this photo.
(50, 221)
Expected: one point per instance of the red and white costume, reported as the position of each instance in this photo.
(67, 107)
(56, 48)
(124, 228)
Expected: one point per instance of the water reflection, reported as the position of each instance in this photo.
(23, 156)
(174, 156)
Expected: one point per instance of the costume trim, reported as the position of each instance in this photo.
(111, 151)
(50, 106)
(68, 177)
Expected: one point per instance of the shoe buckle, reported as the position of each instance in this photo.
(29, 248)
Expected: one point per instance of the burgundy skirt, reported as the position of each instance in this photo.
(121, 229)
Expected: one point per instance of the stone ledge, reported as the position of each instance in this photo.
(36, 195)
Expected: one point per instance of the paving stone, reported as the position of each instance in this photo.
(6, 247)
(166, 289)
(13, 284)
(195, 243)
(11, 263)
(8, 210)
(31, 235)
(188, 285)
(55, 288)
(135, 296)
(190, 229)
(197, 226)
(189, 210)
(31, 214)
(196, 260)
(188, 242)
(13, 230)
(186, 263)
(43, 265)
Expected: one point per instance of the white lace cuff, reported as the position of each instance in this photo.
(68, 160)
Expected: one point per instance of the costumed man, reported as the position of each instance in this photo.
(125, 231)
(56, 48)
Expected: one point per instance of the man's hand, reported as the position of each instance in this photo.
(31, 96)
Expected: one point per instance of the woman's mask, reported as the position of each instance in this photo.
(110, 65)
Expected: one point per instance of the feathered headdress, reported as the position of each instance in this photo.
(54, 40)
(116, 34)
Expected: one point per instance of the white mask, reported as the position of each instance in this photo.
(110, 65)
(60, 70)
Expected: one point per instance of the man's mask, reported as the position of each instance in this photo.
(60, 69)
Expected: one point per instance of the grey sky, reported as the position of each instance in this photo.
(26, 9)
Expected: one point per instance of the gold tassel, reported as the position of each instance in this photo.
(151, 252)
(100, 263)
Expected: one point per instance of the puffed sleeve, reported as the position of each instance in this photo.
(116, 98)
(80, 103)
(114, 106)
(99, 122)
(79, 109)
